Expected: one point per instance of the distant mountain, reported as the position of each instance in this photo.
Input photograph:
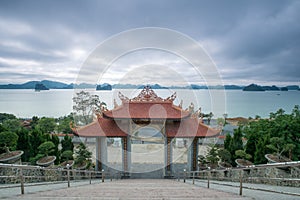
(271, 88)
(40, 86)
(32, 84)
(198, 87)
(125, 86)
(293, 87)
(253, 87)
(59, 85)
(155, 86)
(284, 89)
(104, 86)
(54, 84)
(83, 85)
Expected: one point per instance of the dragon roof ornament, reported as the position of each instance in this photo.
(147, 95)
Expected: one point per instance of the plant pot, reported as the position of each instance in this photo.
(46, 161)
(243, 163)
(202, 166)
(273, 158)
(224, 165)
(70, 162)
(11, 157)
(81, 166)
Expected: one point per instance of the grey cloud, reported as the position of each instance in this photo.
(251, 40)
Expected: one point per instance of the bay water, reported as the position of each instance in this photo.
(235, 103)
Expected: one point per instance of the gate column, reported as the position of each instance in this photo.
(101, 153)
(126, 156)
(168, 148)
(193, 154)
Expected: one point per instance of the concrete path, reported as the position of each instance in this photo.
(133, 189)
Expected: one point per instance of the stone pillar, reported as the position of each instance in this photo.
(168, 148)
(101, 153)
(126, 155)
(192, 164)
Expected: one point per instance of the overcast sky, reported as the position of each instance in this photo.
(249, 41)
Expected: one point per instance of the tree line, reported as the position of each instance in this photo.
(278, 135)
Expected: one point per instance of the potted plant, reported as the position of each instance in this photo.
(225, 158)
(202, 163)
(67, 158)
(45, 149)
(83, 157)
(279, 146)
(8, 142)
(212, 157)
(243, 158)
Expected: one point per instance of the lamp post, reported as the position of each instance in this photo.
(102, 175)
(68, 174)
(184, 174)
(208, 177)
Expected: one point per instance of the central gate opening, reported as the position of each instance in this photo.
(147, 153)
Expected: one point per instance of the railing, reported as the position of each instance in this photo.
(25, 175)
(239, 176)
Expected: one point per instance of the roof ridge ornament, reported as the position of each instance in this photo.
(147, 95)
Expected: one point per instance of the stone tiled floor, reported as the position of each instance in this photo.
(133, 189)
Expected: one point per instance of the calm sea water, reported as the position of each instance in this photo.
(56, 103)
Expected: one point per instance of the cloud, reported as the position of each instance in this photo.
(255, 41)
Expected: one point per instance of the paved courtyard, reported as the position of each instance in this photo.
(134, 189)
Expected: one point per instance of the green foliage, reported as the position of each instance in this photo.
(8, 141)
(46, 125)
(54, 138)
(33, 160)
(237, 142)
(36, 138)
(227, 141)
(202, 160)
(12, 125)
(242, 154)
(224, 155)
(66, 155)
(279, 145)
(279, 134)
(46, 148)
(232, 144)
(6, 116)
(67, 144)
(34, 121)
(64, 124)
(85, 105)
(82, 154)
(23, 143)
(212, 156)
(261, 150)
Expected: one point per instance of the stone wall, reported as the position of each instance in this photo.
(10, 175)
(281, 176)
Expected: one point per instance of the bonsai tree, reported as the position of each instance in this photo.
(279, 145)
(67, 143)
(243, 158)
(242, 154)
(46, 148)
(8, 141)
(212, 156)
(67, 155)
(202, 162)
(82, 155)
(224, 155)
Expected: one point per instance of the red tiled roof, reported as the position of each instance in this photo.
(103, 127)
(147, 110)
(190, 127)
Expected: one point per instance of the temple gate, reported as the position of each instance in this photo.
(146, 110)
